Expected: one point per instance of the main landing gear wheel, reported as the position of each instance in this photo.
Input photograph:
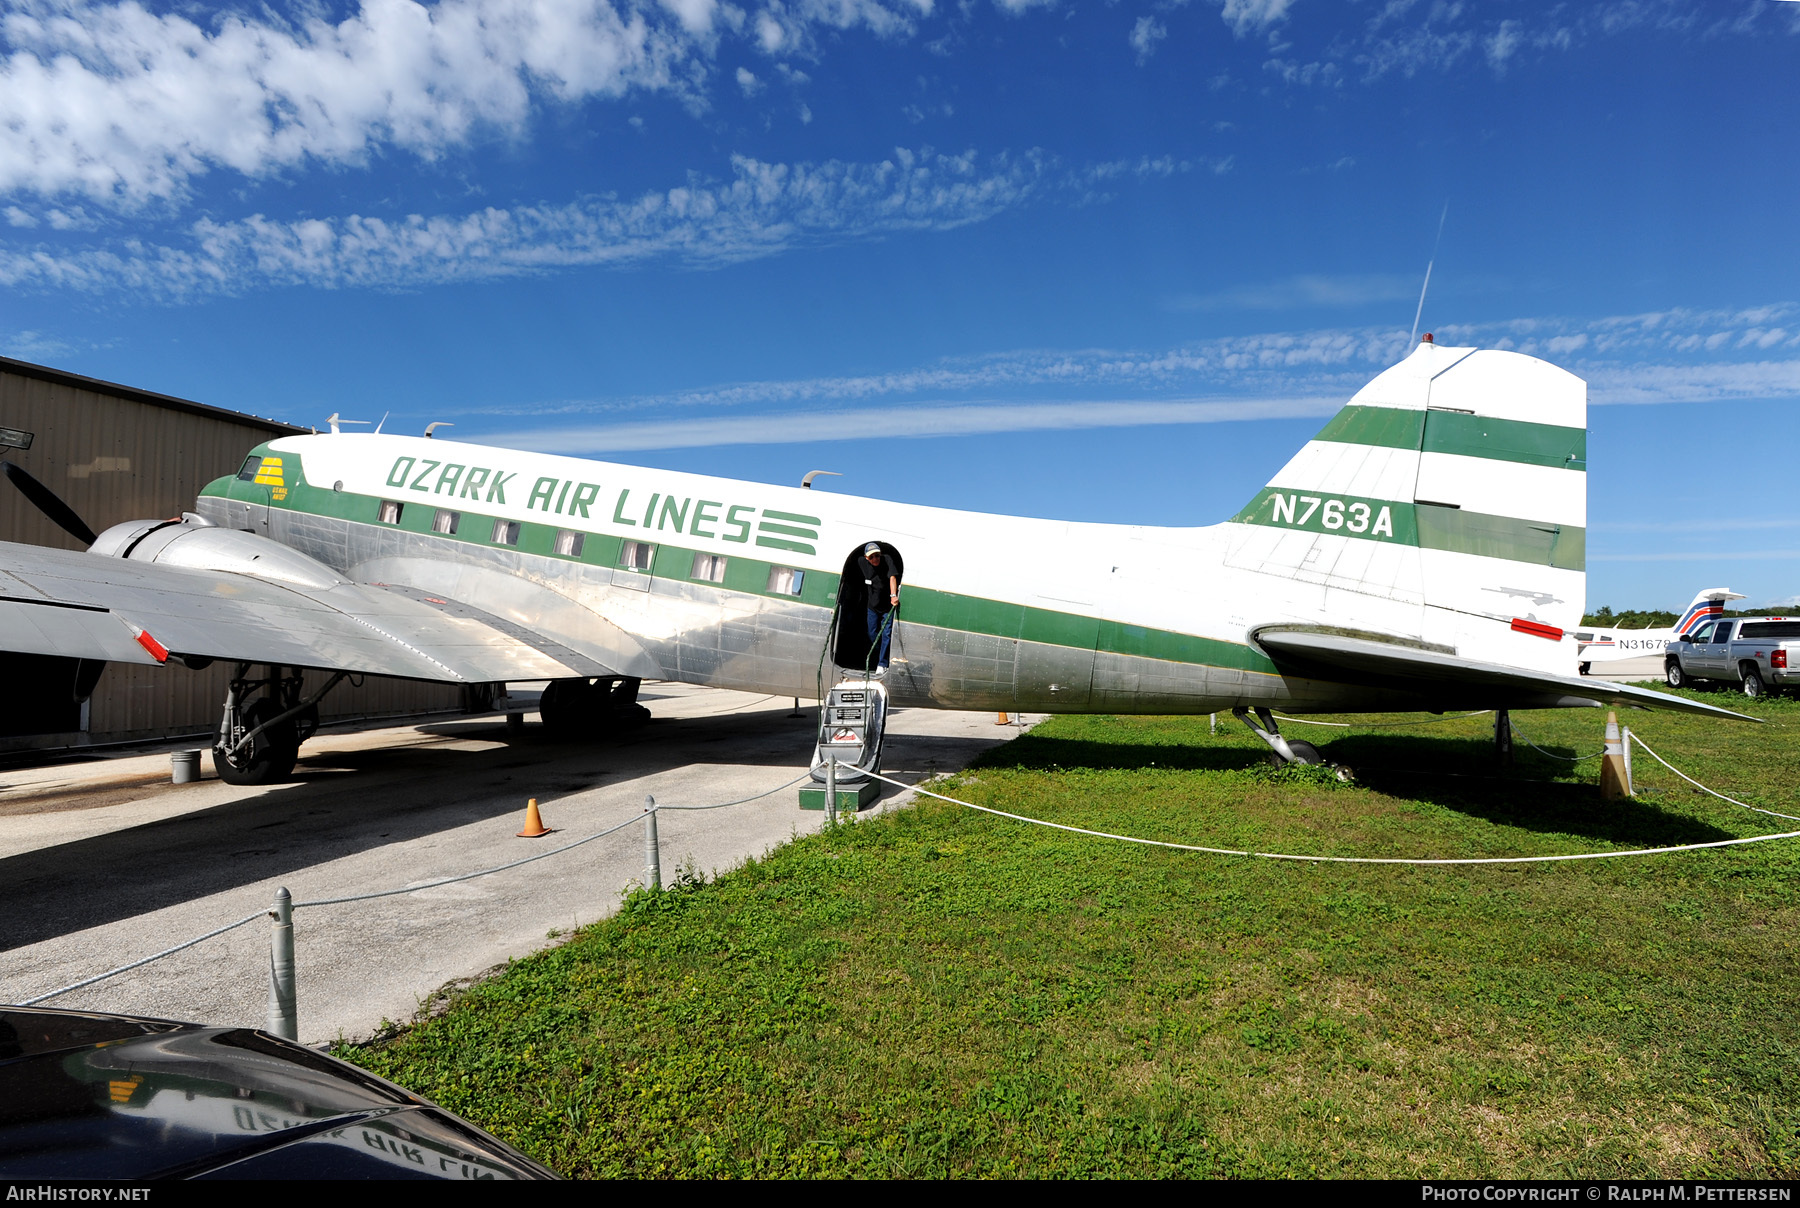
(1673, 675)
(576, 708)
(1304, 752)
(269, 757)
(1753, 681)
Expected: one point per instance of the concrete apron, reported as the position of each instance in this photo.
(106, 861)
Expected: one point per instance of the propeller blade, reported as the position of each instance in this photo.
(60, 513)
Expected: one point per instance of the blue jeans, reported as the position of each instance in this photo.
(879, 632)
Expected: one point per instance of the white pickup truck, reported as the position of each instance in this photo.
(1759, 653)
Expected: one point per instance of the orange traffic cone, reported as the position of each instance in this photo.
(534, 822)
(1003, 721)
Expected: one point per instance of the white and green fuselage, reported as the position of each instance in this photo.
(1445, 507)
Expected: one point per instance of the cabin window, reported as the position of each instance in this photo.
(709, 568)
(506, 532)
(569, 543)
(637, 555)
(252, 464)
(785, 580)
(390, 511)
(445, 522)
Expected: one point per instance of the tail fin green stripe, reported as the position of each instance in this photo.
(1389, 427)
(1456, 432)
(1505, 440)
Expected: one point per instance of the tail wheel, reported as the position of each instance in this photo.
(1753, 681)
(269, 757)
(1674, 675)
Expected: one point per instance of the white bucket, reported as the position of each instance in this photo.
(186, 766)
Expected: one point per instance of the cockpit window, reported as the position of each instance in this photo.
(252, 464)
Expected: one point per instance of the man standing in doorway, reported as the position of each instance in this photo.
(881, 588)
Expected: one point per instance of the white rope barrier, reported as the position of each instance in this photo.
(1383, 725)
(388, 893)
(29, 1002)
(1553, 754)
(1631, 737)
(1269, 855)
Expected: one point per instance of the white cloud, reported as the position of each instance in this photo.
(1145, 35)
(125, 104)
(1311, 289)
(35, 346)
(897, 422)
(1322, 365)
(19, 218)
(1253, 16)
(760, 210)
(1409, 37)
(1502, 43)
(1746, 555)
(748, 82)
(696, 16)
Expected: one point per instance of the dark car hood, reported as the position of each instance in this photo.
(91, 1096)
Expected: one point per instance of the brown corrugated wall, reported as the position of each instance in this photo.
(115, 454)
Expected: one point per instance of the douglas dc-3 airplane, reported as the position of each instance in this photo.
(1424, 551)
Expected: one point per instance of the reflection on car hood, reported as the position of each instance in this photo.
(92, 1096)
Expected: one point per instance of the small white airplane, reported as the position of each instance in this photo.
(1615, 645)
(1424, 552)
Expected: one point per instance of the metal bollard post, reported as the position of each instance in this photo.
(283, 1015)
(1212, 723)
(831, 790)
(1625, 735)
(652, 858)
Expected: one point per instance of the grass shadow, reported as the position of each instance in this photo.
(1458, 774)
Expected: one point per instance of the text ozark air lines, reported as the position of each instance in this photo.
(713, 519)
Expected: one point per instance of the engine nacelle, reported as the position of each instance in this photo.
(196, 543)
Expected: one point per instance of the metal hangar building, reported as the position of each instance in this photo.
(117, 453)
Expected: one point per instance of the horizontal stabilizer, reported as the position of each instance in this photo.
(1445, 681)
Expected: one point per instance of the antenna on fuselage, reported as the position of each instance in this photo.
(336, 419)
(434, 426)
(383, 420)
(1413, 339)
(812, 474)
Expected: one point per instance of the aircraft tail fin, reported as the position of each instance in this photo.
(1707, 604)
(1447, 501)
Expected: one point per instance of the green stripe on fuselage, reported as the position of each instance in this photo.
(1453, 432)
(919, 605)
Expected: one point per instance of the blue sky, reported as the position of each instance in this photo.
(1093, 261)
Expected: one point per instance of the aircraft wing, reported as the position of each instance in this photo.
(1450, 682)
(81, 605)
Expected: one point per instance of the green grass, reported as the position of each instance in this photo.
(941, 993)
